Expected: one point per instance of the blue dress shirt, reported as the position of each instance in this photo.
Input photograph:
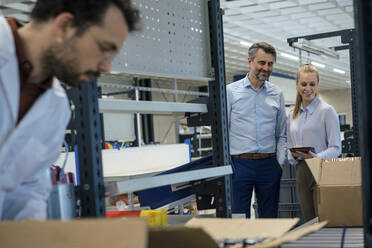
(317, 126)
(257, 119)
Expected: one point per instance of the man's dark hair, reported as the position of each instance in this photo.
(261, 45)
(86, 12)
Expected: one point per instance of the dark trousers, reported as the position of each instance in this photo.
(264, 176)
(305, 190)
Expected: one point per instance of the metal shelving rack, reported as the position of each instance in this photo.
(217, 111)
(363, 58)
(87, 127)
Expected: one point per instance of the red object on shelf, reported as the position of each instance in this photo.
(107, 146)
(67, 178)
(115, 214)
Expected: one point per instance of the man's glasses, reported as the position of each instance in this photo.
(108, 50)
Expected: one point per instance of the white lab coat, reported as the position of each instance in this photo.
(29, 148)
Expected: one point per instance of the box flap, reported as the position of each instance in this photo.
(180, 237)
(315, 165)
(344, 171)
(243, 228)
(291, 236)
(97, 233)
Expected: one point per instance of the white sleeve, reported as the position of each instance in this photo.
(29, 199)
(291, 159)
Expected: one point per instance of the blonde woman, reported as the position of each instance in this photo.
(313, 123)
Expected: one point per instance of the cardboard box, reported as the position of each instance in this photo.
(338, 190)
(87, 233)
(277, 231)
(134, 233)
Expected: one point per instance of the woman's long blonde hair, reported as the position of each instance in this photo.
(306, 68)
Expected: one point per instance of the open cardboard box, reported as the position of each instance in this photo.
(277, 231)
(87, 233)
(134, 233)
(338, 190)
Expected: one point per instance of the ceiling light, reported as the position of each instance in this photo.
(310, 47)
(245, 43)
(317, 64)
(339, 71)
(288, 56)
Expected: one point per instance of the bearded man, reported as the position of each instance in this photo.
(257, 135)
(71, 41)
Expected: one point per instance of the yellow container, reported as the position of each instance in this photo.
(157, 217)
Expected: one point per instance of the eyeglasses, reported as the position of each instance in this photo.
(108, 57)
(108, 50)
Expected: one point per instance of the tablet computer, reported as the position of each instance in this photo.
(302, 149)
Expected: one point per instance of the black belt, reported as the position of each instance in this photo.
(254, 155)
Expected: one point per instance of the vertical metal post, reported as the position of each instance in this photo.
(147, 120)
(176, 121)
(218, 110)
(363, 58)
(102, 121)
(136, 142)
(138, 122)
(89, 138)
(355, 85)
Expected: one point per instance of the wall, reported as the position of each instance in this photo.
(288, 87)
(340, 100)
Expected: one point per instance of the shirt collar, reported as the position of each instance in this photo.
(247, 83)
(24, 64)
(311, 107)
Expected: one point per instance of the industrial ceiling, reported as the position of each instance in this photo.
(248, 21)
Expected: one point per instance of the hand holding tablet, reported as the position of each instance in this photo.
(306, 149)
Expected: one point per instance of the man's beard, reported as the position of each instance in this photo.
(60, 61)
(260, 77)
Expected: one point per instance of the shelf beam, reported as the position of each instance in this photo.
(147, 107)
(168, 179)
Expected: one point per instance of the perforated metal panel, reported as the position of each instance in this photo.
(173, 42)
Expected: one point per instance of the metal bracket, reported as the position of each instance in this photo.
(346, 36)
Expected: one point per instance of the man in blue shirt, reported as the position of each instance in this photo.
(257, 128)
